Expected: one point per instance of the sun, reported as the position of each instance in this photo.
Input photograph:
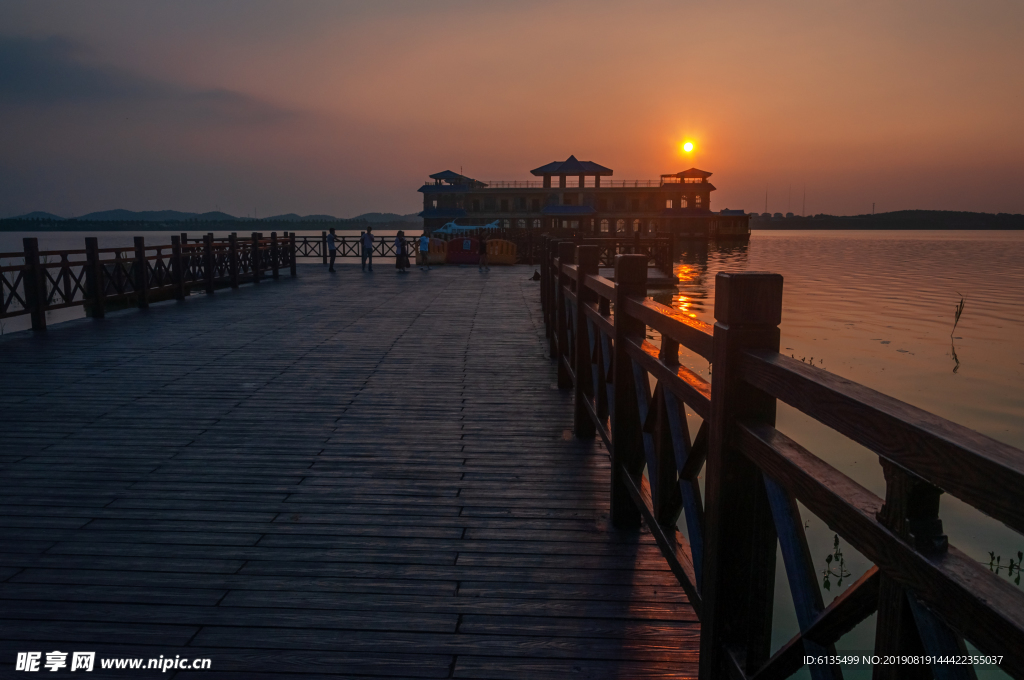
(688, 147)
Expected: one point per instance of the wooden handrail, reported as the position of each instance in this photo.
(754, 474)
(139, 274)
(691, 333)
(986, 609)
(976, 469)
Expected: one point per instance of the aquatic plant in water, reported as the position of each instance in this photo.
(835, 567)
(1012, 569)
(956, 316)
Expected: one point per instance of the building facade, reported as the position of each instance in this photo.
(581, 196)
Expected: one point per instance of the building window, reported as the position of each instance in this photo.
(668, 203)
(604, 226)
(521, 224)
(574, 225)
(620, 226)
(520, 203)
(568, 199)
(696, 202)
(602, 204)
(652, 227)
(504, 224)
(476, 206)
(636, 226)
(490, 204)
(620, 204)
(504, 205)
(535, 206)
(536, 224)
(682, 202)
(433, 203)
(635, 204)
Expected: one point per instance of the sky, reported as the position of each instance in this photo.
(263, 107)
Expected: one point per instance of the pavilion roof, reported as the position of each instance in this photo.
(571, 166)
(692, 173)
(452, 177)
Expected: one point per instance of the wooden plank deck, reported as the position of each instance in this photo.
(348, 476)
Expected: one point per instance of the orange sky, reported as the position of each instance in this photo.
(344, 108)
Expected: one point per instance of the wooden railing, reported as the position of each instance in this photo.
(929, 596)
(659, 250)
(34, 282)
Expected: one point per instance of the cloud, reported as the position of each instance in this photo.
(57, 71)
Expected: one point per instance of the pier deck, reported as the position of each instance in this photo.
(350, 475)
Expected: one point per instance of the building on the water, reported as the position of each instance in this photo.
(580, 196)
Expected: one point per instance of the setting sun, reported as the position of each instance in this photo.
(688, 147)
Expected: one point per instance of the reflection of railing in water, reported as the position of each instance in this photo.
(929, 596)
(97, 278)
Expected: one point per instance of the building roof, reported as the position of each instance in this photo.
(692, 173)
(449, 176)
(571, 166)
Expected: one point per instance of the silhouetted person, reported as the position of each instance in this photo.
(401, 253)
(425, 251)
(332, 248)
(366, 240)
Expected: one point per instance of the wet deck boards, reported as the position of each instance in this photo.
(348, 476)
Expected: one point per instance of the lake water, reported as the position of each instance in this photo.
(878, 308)
(874, 307)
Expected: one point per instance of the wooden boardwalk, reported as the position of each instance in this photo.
(347, 476)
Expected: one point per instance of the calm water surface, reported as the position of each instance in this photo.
(878, 308)
(874, 307)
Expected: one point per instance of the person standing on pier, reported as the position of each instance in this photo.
(425, 251)
(401, 253)
(366, 239)
(332, 248)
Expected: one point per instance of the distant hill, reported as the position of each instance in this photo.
(133, 216)
(388, 217)
(38, 215)
(216, 216)
(896, 220)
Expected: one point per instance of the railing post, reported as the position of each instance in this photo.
(208, 259)
(274, 264)
(566, 255)
(323, 245)
(94, 282)
(586, 264)
(291, 253)
(544, 283)
(552, 279)
(739, 538)
(233, 258)
(177, 268)
(911, 511)
(141, 281)
(627, 430)
(255, 257)
(35, 285)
